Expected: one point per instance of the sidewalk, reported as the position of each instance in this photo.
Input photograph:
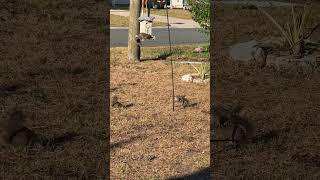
(260, 3)
(174, 22)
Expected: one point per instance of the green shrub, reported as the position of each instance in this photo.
(293, 30)
(202, 70)
(200, 12)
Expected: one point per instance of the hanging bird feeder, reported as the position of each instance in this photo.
(145, 25)
(146, 21)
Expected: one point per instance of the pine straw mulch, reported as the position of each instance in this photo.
(283, 106)
(148, 139)
(52, 65)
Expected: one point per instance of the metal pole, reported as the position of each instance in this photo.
(170, 51)
(148, 6)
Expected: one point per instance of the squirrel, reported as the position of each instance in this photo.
(232, 126)
(115, 103)
(184, 101)
(14, 132)
(143, 36)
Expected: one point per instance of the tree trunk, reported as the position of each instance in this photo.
(134, 29)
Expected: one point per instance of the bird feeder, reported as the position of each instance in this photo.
(146, 24)
(146, 21)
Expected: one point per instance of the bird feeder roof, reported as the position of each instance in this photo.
(146, 18)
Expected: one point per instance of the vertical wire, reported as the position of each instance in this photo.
(170, 51)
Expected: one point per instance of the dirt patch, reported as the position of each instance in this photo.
(283, 108)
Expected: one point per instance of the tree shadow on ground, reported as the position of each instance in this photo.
(162, 56)
(58, 140)
(203, 174)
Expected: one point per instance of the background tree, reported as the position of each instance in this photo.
(200, 12)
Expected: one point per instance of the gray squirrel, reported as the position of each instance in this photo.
(184, 101)
(142, 37)
(14, 132)
(232, 127)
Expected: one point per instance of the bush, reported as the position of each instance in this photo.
(200, 11)
(293, 31)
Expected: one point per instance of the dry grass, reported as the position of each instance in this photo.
(177, 13)
(121, 21)
(283, 104)
(148, 140)
(53, 53)
(118, 21)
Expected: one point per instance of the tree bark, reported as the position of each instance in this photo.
(134, 29)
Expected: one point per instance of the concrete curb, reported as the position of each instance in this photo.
(259, 3)
(158, 27)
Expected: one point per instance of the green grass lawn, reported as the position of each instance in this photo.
(181, 52)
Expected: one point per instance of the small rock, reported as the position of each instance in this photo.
(198, 80)
(286, 63)
(246, 52)
(187, 78)
(253, 53)
(199, 49)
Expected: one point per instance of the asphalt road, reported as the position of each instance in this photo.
(119, 37)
